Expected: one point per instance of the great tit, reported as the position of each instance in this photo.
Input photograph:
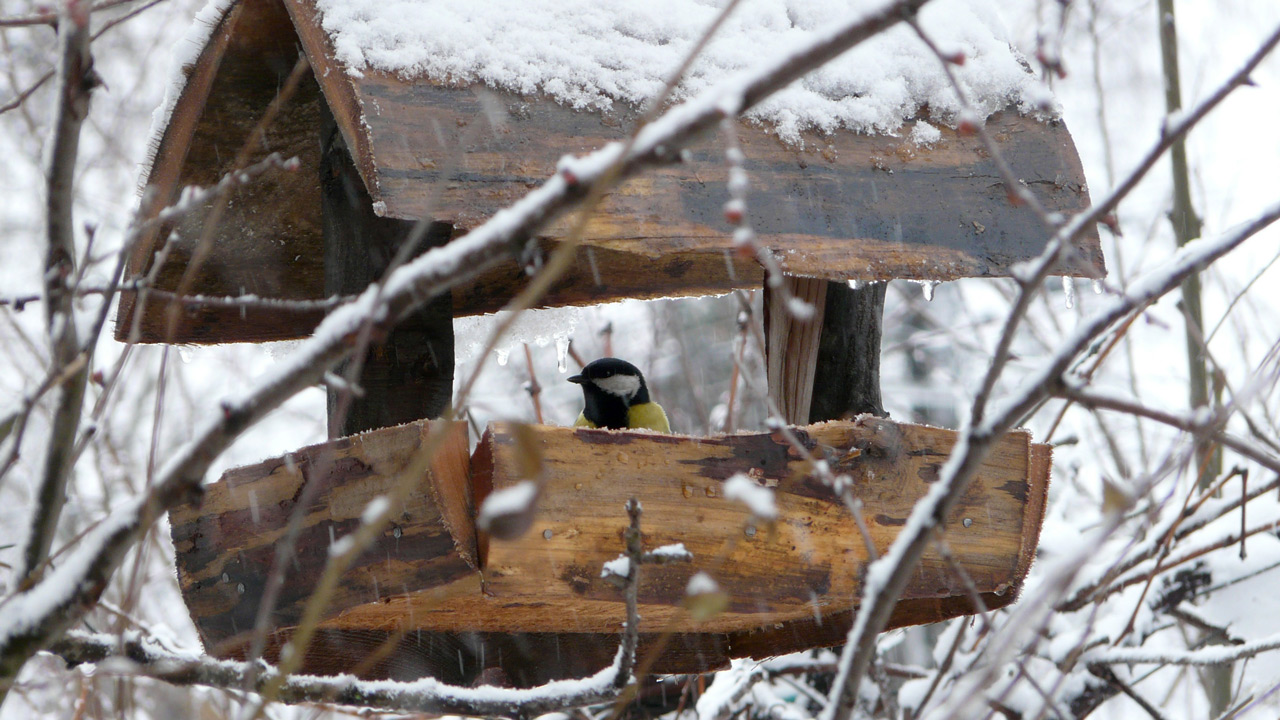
(616, 397)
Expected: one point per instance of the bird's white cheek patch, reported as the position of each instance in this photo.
(624, 386)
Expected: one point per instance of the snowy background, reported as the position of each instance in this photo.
(934, 353)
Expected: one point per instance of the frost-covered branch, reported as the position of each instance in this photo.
(1216, 655)
(1206, 423)
(887, 577)
(1031, 274)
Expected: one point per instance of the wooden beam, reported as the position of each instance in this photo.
(269, 242)
(791, 345)
(792, 584)
(847, 372)
(408, 373)
(825, 366)
(226, 544)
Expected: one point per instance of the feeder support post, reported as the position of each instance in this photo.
(827, 366)
(409, 374)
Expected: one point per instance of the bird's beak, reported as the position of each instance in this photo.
(576, 379)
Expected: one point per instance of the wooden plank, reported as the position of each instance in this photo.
(226, 544)
(811, 563)
(846, 375)
(791, 345)
(167, 164)
(269, 241)
(540, 611)
(843, 206)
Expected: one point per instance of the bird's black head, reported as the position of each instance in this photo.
(609, 387)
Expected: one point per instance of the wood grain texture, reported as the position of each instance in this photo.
(846, 376)
(226, 545)
(842, 206)
(811, 557)
(540, 610)
(269, 242)
(791, 345)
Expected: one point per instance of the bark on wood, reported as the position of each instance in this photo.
(845, 206)
(408, 374)
(225, 545)
(825, 367)
(270, 241)
(846, 377)
(542, 611)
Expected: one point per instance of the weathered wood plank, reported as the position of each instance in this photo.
(811, 556)
(541, 611)
(226, 545)
(843, 206)
(269, 241)
(791, 345)
(846, 376)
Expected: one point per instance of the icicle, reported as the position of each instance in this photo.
(927, 287)
(1097, 287)
(855, 284)
(503, 354)
(1069, 289)
(562, 353)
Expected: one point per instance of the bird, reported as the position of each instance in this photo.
(616, 397)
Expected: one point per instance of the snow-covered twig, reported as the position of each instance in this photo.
(1209, 424)
(887, 577)
(1215, 655)
(1037, 270)
(142, 656)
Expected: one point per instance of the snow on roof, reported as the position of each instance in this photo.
(588, 54)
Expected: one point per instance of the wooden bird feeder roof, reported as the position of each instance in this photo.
(839, 206)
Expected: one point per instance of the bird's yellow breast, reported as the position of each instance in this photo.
(648, 416)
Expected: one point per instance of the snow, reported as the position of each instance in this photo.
(507, 501)
(701, 584)
(375, 509)
(758, 499)
(592, 55)
(924, 134)
(618, 567)
(675, 551)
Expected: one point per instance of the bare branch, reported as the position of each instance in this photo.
(76, 81)
(1215, 655)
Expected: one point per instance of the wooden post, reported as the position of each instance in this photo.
(827, 366)
(409, 375)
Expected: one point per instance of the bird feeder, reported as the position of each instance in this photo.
(434, 596)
